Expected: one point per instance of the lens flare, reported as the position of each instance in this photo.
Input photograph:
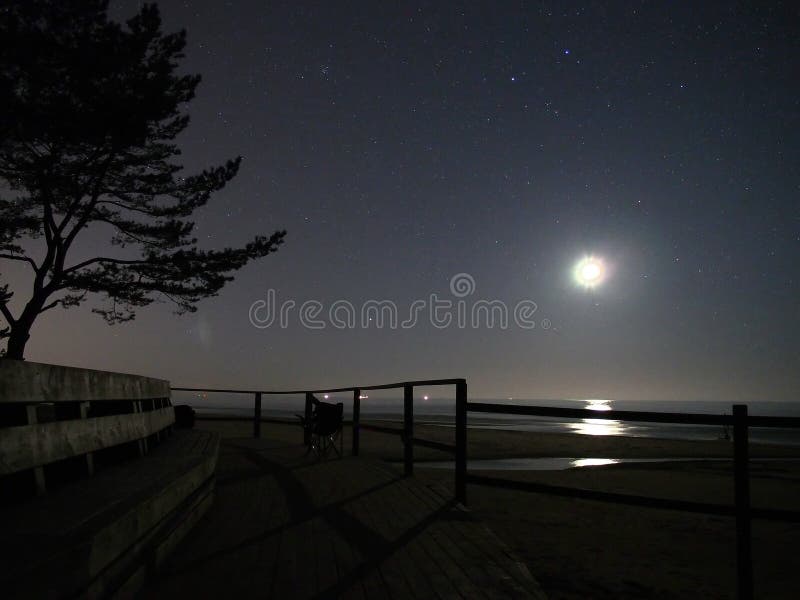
(590, 272)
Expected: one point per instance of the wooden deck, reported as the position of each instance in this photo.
(285, 526)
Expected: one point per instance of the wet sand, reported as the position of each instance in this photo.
(586, 549)
(492, 443)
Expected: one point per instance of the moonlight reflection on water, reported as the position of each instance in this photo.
(598, 426)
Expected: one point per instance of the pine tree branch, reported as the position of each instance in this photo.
(129, 234)
(50, 230)
(96, 179)
(7, 313)
(26, 259)
(91, 261)
(125, 206)
(101, 148)
(49, 306)
(94, 186)
(171, 299)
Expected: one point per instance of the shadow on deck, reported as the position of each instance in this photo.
(283, 525)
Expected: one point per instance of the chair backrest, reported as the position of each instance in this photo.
(328, 417)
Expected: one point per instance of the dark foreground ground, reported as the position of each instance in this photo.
(286, 526)
(583, 549)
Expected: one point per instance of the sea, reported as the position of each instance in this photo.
(441, 412)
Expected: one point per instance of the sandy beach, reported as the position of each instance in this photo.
(586, 549)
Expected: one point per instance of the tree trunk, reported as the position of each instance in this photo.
(21, 328)
(18, 337)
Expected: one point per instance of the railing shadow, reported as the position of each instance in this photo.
(302, 508)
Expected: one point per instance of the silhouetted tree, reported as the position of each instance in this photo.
(89, 111)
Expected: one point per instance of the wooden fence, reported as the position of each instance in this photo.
(406, 432)
(740, 420)
(740, 510)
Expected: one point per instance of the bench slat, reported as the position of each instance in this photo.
(29, 446)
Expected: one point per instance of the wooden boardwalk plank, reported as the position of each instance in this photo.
(479, 570)
(423, 574)
(375, 586)
(373, 510)
(346, 562)
(284, 568)
(327, 574)
(305, 579)
(431, 543)
(286, 526)
(474, 545)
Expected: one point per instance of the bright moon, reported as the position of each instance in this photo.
(590, 272)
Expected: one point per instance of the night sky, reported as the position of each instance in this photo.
(403, 143)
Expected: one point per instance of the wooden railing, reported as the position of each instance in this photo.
(406, 433)
(51, 413)
(739, 420)
(740, 510)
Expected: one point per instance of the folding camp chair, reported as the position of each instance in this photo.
(324, 428)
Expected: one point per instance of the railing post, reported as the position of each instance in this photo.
(356, 419)
(461, 442)
(257, 416)
(307, 420)
(744, 559)
(38, 472)
(408, 429)
(84, 408)
(142, 442)
(157, 405)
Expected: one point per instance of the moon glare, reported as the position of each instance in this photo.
(590, 272)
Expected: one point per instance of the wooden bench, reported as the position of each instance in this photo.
(113, 487)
